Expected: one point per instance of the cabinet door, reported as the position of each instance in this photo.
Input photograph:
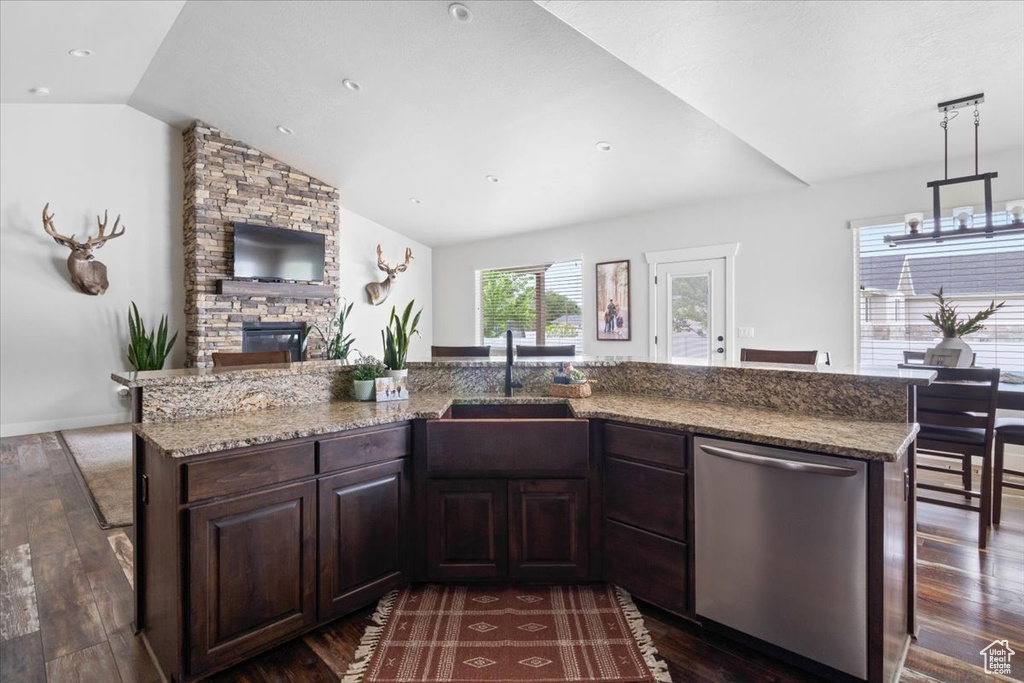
(549, 529)
(252, 572)
(466, 529)
(363, 535)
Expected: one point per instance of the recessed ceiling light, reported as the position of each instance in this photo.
(352, 85)
(460, 12)
(414, 200)
(42, 92)
(285, 130)
(604, 146)
(80, 52)
(492, 178)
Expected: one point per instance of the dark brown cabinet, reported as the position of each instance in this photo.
(363, 535)
(647, 514)
(467, 528)
(252, 572)
(548, 529)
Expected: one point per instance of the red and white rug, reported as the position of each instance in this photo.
(507, 634)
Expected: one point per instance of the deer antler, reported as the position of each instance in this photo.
(381, 263)
(69, 242)
(408, 258)
(101, 239)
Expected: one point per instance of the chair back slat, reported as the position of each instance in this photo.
(778, 356)
(523, 350)
(945, 419)
(951, 403)
(459, 351)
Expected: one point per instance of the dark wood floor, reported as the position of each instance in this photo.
(66, 600)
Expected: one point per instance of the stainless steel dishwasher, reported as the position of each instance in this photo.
(781, 548)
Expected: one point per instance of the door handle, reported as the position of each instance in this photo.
(779, 463)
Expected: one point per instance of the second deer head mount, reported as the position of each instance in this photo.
(378, 291)
(87, 275)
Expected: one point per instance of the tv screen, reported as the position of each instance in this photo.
(263, 253)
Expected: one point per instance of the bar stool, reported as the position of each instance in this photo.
(1008, 430)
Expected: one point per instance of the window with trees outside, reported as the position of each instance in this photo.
(541, 304)
(898, 287)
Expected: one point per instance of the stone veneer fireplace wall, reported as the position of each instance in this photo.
(227, 181)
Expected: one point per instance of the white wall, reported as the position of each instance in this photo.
(359, 239)
(57, 346)
(794, 271)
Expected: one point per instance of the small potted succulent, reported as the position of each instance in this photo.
(367, 369)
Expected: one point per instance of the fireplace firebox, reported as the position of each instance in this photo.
(274, 337)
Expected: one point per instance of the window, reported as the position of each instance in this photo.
(508, 300)
(897, 287)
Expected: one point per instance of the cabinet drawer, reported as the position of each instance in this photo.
(650, 567)
(647, 497)
(364, 448)
(660, 448)
(250, 469)
(497, 447)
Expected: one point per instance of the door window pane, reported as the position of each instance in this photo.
(690, 316)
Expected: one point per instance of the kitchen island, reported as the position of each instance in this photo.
(341, 501)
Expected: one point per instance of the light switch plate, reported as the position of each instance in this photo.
(746, 333)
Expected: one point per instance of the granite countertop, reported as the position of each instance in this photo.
(885, 441)
(316, 367)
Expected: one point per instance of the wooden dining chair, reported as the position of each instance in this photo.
(957, 413)
(524, 351)
(221, 360)
(459, 351)
(776, 356)
(1009, 430)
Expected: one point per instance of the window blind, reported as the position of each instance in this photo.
(897, 287)
(541, 304)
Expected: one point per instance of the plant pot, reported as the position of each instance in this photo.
(966, 352)
(363, 389)
(399, 374)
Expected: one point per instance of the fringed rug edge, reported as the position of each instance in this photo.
(635, 620)
(371, 637)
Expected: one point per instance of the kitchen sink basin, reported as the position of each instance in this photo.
(509, 411)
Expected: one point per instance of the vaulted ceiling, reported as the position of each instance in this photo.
(699, 100)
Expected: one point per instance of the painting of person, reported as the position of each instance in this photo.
(613, 301)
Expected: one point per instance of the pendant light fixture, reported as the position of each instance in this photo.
(963, 218)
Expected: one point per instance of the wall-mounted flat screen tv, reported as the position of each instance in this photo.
(275, 254)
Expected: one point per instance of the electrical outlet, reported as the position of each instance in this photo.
(746, 333)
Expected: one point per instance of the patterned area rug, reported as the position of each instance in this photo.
(507, 634)
(103, 456)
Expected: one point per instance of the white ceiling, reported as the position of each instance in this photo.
(35, 38)
(701, 100)
(827, 89)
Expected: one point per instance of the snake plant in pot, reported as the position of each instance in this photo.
(948, 321)
(147, 350)
(396, 338)
(336, 342)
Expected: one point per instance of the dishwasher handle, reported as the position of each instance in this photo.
(779, 463)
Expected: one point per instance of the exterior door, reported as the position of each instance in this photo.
(548, 528)
(691, 300)
(363, 535)
(252, 576)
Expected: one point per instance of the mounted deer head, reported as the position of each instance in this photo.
(87, 275)
(378, 291)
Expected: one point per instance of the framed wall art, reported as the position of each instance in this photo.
(613, 313)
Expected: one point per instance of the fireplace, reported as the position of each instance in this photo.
(274, 337)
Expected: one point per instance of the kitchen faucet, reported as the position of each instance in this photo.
(509, 384)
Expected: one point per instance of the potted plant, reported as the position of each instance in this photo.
(396, 338)
(367, 370)
(147, 351)
(336, 342)
(947, 319)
